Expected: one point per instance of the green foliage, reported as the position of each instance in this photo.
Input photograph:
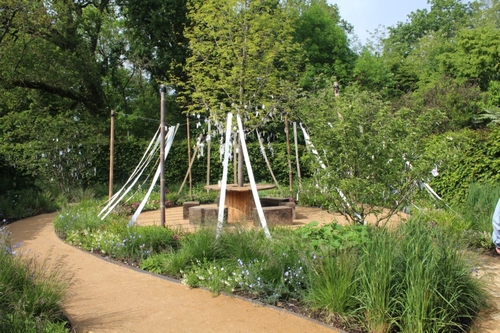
(463, 158)
(323, 36)
(57, 48)
(18, 204)
(369, 152)
(78, 218)
(377, 280)
(372, 72)
(276, 152)
(61, 149)
(333, 283)
(435, 285)
(242, 57)
(30, 291)
(459, 103)
(441, 22)
(478, 210)
(157, 41)
(268, 271)
(476, 55)
(333, 236)
(80, 225)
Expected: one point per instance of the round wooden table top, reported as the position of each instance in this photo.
(236, 188)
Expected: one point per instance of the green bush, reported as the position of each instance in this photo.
(30, 292)
(463, 158)
(479, 205)
(77, 218)
(18, 204)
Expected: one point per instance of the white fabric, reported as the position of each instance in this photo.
(496, 226)
(253, 185)
(225, 167)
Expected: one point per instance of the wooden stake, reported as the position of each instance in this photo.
(163, 91)
(267, 163)
(235, 158)
(189, 169)
(290, 177)
(189, 158)
(208, 140)
(111, 153)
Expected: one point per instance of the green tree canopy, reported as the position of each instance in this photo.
(242, 58)
(56, 47)
(323, 36)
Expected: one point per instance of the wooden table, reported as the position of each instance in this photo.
(239, 200)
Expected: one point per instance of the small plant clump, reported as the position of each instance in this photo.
(31, 291)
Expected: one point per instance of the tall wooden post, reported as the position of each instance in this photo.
(209, 141)
(111, 152)
(240, 162)
(235, 158)
(290, 177)
(163, 91)
(189, 158)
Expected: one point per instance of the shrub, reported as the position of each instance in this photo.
(30, 292)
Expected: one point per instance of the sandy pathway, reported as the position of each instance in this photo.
(107, 297)
(490, 322)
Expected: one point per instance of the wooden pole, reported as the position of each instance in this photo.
(111, 153)
(297, 154)
(267, 163)
(290, 177)
(209, 140)
(163, 91)
(240, 161)
(189, 158)
(235, 158)
(189, 169)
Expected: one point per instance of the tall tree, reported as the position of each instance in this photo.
(323, 36)
(55, 47)
(367, 150)
(242, 57)
(444, 19)
(155, 32)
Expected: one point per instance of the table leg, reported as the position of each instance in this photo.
(240, 205)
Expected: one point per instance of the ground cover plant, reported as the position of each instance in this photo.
(413, 278)
(31, 292)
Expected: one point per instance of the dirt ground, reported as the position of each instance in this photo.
(109, 297)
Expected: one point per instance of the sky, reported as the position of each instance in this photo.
(369, 14)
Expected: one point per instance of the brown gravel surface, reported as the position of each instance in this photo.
(108, 297)
(490, 322)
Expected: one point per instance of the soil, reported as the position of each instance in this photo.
(106, 296)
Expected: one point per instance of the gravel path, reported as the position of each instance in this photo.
(108, 297)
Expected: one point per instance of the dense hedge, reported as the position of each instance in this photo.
(463, 158)
(128, 154)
